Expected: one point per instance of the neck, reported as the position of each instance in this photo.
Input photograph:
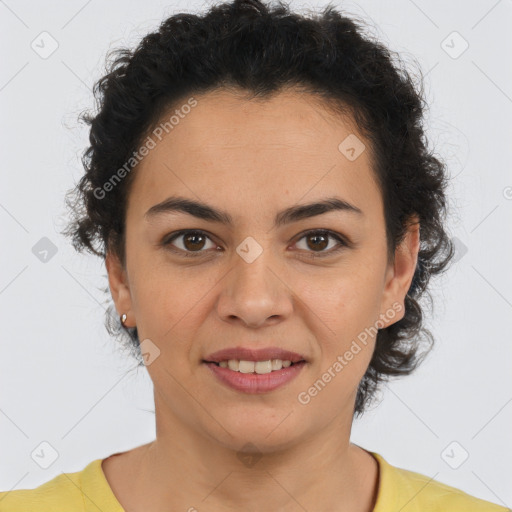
(190, 471)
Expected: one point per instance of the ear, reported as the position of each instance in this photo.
(119, 288)
(400, 273)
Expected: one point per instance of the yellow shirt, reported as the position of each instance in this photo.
(88, 491)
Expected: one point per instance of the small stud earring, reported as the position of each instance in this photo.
(123, 318)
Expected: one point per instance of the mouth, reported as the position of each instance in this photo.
(254, 370)
(255, 377)
(255, 367)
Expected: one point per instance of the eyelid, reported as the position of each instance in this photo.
(343, 242)
(167, 241)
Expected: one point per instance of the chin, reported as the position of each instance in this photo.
(267, 434)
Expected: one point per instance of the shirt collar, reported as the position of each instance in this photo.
(97, 493)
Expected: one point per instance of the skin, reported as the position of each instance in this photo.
(254, 159)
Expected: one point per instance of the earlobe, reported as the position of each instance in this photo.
(119, 287)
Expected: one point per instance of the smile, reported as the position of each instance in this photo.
(255, 376)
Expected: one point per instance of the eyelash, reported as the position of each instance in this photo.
(313, 255)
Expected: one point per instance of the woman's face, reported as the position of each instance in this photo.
(255, 283)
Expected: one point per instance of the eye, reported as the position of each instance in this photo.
(319, 239)
(194, 241)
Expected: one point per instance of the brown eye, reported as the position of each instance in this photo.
(318, 241)
(192, 242)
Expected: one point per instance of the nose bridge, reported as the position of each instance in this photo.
(252, 291)
(252, 275)
(253, 269)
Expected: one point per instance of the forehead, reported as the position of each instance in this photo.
(278, 149)
(289, 119)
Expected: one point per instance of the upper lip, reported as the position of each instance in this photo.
(247, 354)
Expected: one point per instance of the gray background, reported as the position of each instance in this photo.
(62, 381)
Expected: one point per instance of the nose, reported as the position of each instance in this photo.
(255, 294)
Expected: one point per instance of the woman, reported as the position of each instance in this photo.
(269, 215)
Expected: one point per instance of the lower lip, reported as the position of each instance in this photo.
(254, 382)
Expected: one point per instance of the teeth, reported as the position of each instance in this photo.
(246, 366)
(277, 364)
(263, 367)
(233, 364)
(259, 367)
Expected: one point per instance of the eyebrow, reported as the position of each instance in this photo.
(177, 204)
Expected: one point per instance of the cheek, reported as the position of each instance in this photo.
(165, 298)
(347, 301)
(167, 308)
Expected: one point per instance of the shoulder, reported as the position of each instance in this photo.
(80, 491)
(400, 488)
(60, 493)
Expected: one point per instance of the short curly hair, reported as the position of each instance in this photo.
(261, 50)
